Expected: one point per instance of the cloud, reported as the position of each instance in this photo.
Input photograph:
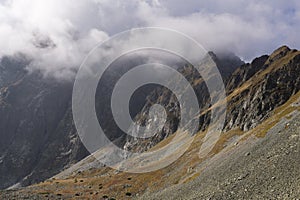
(248, 28)
(58, 34)
(55, 34)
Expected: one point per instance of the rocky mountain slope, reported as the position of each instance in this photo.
(257, 168)
(260, 127)
(259, 164)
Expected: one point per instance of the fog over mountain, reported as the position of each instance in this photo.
(66, 31)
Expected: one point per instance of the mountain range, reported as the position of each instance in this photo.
(257, 155)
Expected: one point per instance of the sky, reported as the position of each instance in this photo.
(58, 34)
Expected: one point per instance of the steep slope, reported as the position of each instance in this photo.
(32, 108)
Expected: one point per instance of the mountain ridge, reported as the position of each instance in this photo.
(254, 91)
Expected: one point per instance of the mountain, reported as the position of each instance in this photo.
(258, 150)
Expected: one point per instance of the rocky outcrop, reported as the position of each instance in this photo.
(276, 80)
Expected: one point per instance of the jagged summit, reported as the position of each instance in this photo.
(227, 62)
(279, 53)
(259, 61)
(281, 49)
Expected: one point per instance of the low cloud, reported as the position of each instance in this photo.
(58, 34)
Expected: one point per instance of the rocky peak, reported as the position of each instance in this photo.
(245, 72)
(279, 53)
(275, 80)
(227, 62)
(259, 61)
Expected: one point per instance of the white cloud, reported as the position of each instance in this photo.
(71, 28)
(26, 26)
(248, 28)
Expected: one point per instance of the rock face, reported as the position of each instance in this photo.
(274, 80)
(37, 134)
(38, 138)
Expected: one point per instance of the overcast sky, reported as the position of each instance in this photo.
(69, 29)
